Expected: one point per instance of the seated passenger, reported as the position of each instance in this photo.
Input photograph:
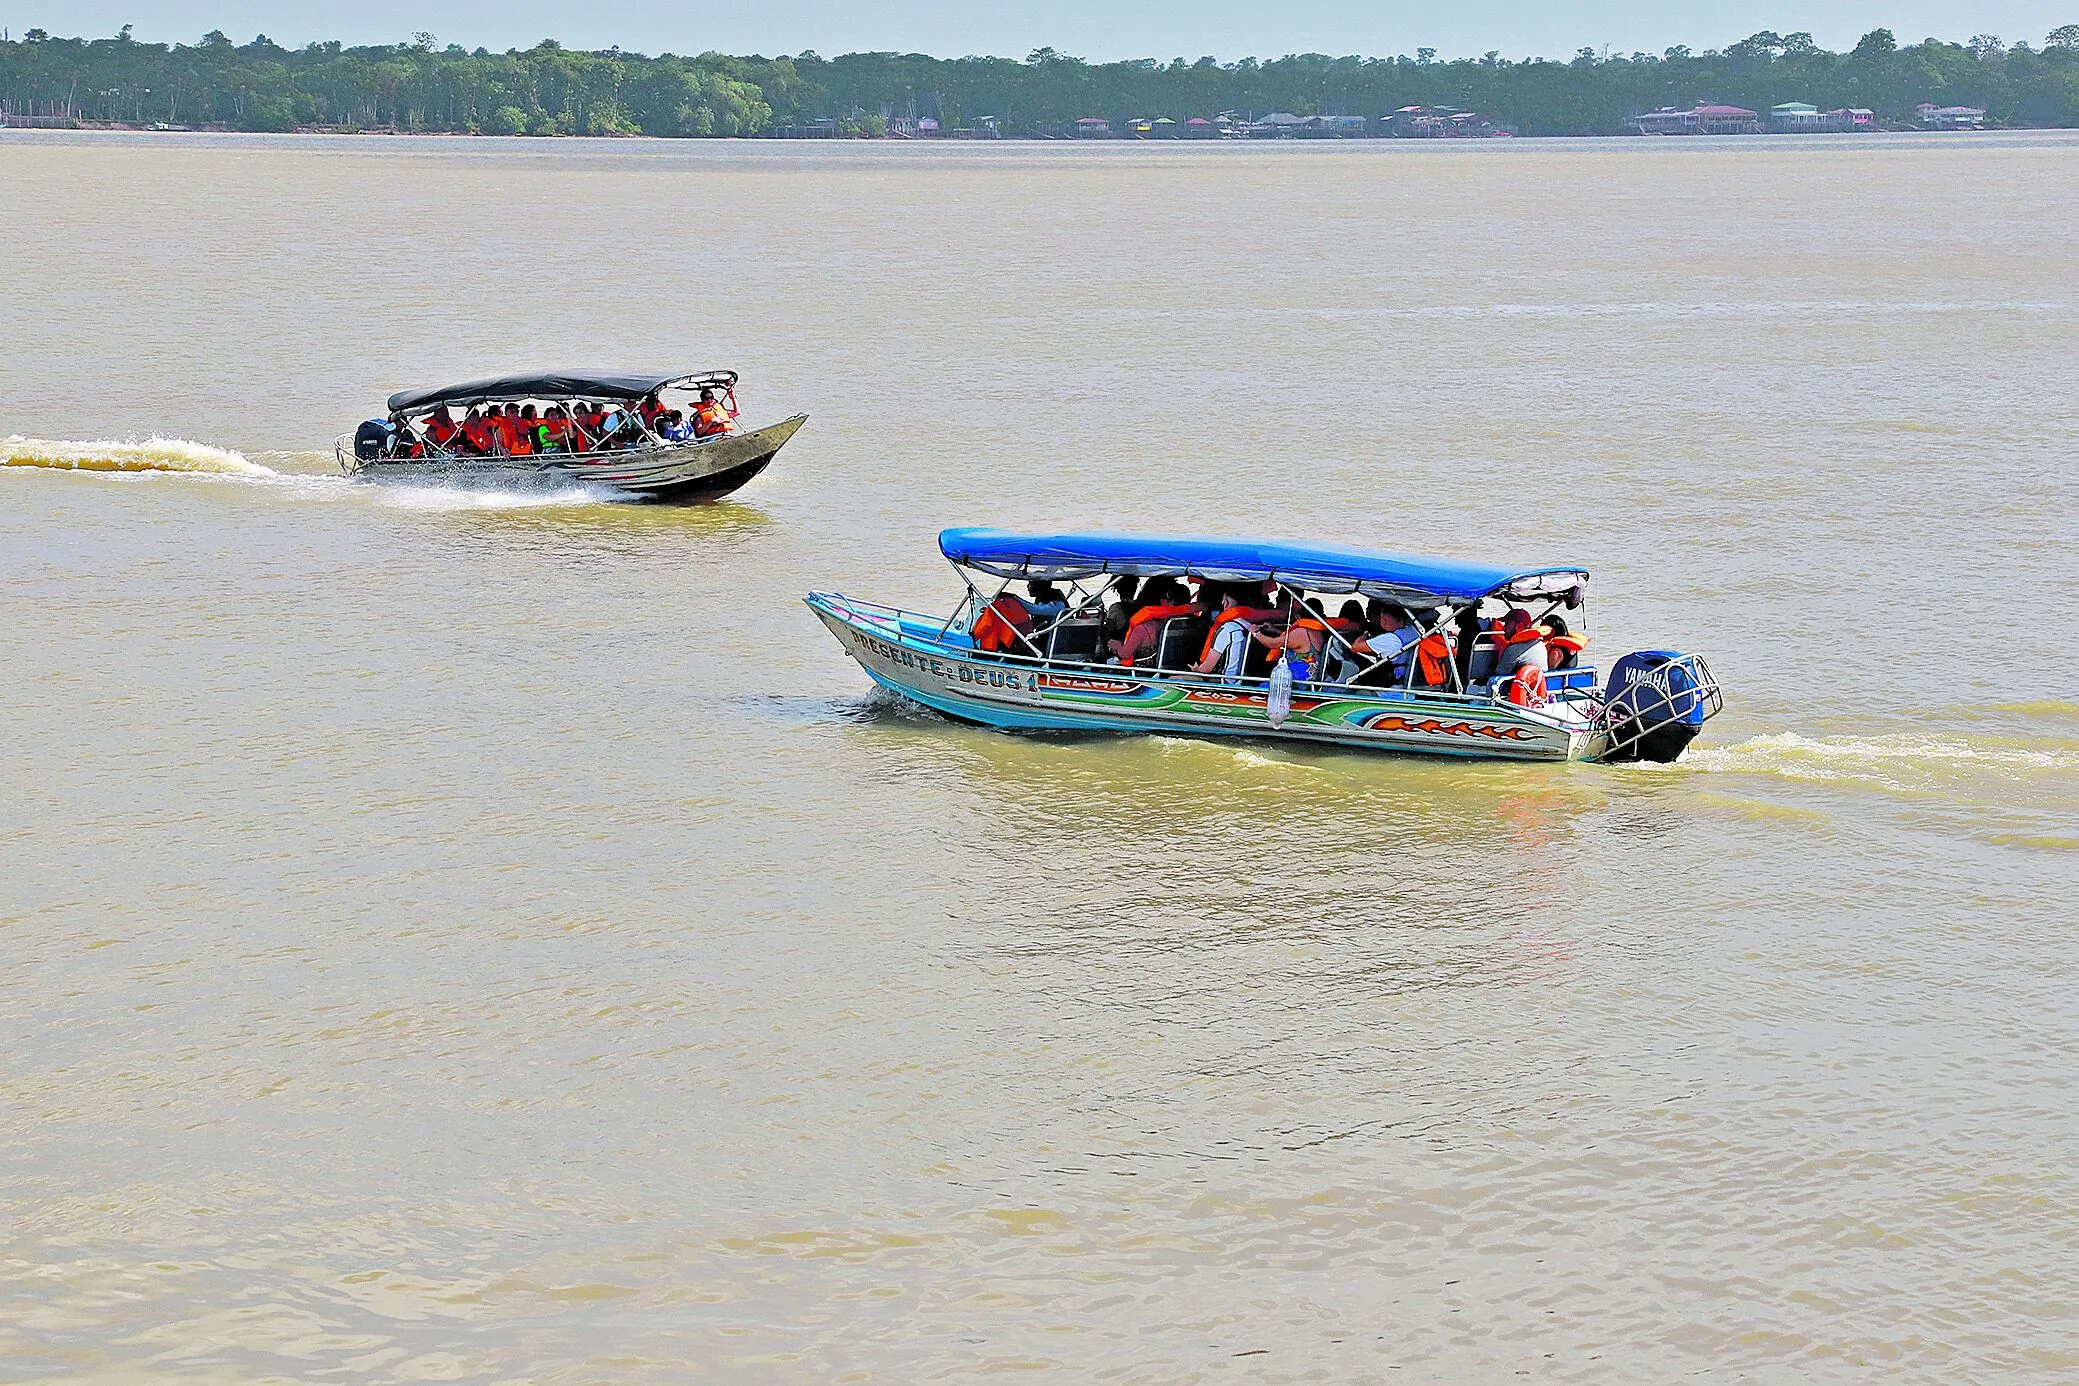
(1227, 643)
(587, 420)
(1392, 634)
(1562, 647)
(673, 428)
(526, 432)
(504, 436)
(711, 417)
(404, 439)
(618, 430)
(557, 432)
(1001, 624)
(1162, 599)
(1342, 665)
(441, 430)
(1046, 603)
(649, 409)
(1301, 644)
(1475, 658)
(1125, 601)
(1520, 644)
(476, 432)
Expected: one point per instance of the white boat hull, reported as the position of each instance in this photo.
(905, 654)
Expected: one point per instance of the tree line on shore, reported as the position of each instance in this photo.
(551, 90)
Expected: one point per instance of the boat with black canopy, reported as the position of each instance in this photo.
(665, 436)
(1481, 660)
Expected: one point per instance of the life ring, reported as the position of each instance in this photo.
(1527, 688)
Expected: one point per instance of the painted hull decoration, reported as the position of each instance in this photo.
(1031, 686)
(632, 455)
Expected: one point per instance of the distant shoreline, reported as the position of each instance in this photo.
(636, 137)
(1766, 83)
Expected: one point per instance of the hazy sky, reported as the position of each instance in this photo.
(1106, 29)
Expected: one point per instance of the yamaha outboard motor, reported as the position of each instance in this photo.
(1658, 700)
(372, 439)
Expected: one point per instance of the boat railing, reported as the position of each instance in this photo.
(343, 450)
(913, 626)
(1654, 700)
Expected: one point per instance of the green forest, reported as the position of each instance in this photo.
(550, 90)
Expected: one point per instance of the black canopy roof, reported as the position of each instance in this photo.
(555, 385)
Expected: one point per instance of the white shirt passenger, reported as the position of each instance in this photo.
(1231, 643)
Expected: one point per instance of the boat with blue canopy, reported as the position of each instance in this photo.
(1131, 633)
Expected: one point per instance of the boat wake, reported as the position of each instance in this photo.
(178, 456)
(152, 455)
(1903, 762)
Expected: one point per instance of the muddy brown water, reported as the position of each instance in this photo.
(465, 936)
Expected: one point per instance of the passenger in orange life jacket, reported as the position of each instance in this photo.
(1162, 599)
(441, 431)
(711, 417)
(476, 431)
(1520, 644)
(524, 425)
(1562, 647)
(1227, 644)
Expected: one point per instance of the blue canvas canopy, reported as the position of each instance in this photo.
(1312, 567)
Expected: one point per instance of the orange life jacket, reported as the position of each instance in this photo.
(1159, 613)
(1001, 623)
(1527, 687)
(522, 436)
(1502, 641)
(1152, 613)
(1433, 660)
(1233, 613)
(1565, 647)
(502, 432)
(712, 417)
(441, 432)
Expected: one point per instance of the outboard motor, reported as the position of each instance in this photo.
(1658, 702)
(372, 439)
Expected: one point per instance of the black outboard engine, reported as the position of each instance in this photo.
(372, 439)
(1658, 702)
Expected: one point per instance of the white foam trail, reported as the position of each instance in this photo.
(154, 454)
(1877, 759)
(433, 496)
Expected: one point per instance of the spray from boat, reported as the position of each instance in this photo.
(153, 454)
(181, 457)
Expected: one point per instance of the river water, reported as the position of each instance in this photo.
(477, 937)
